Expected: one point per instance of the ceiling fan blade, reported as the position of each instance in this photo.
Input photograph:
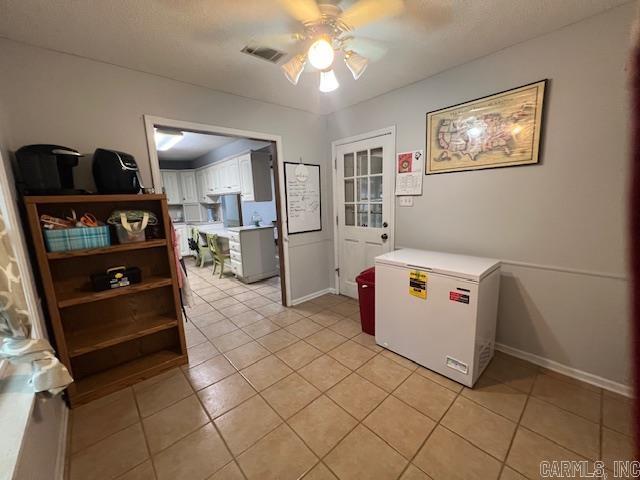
(367, 47)
(302, 10)
(428, 15)
(369, 11)
(282, 41)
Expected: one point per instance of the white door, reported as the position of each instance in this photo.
(364, 200)
(189, 187)
(171, 187)
(246, 178)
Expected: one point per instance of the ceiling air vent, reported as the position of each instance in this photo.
(265, 53)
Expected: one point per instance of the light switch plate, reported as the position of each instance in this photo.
(406, 201)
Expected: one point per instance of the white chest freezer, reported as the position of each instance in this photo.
(438, 309)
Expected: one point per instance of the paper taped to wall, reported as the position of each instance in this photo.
(409, 171)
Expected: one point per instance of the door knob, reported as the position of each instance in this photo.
(384, 236)
(385, 224)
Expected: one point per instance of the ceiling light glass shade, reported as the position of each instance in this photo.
(357, 64)
(294, 67)
(167, 139)
(321, 54)
(328, 81)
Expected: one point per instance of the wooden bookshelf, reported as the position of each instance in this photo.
(125, 247)
(113, 338)
(87, 296)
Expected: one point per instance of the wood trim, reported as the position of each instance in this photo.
(49, 290)
(279, 224)
(171, 257)
(44, 199)
(89, 297)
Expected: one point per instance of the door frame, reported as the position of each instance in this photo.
(391, 130)
(151, 121)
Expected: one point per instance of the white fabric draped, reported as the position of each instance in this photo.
(16, 344)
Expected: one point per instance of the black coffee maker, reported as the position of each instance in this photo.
(47, 169)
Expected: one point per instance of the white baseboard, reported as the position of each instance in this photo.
(62, 444)
(586, 377)
(311, 296)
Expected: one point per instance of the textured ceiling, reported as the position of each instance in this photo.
(194, 145)
(199, 41)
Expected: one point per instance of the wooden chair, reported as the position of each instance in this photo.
(218, 255)
(202, 254)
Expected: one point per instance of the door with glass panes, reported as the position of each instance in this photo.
(364, 204)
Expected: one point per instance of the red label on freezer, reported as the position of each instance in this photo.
(458, 297)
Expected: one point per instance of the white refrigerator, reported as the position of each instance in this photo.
(438, 309)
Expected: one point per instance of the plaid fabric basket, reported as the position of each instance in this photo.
(77, 238)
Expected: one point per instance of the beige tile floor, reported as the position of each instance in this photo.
(288, 393)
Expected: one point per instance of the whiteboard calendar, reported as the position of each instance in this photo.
(302, 190)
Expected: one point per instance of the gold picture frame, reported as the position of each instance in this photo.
(500, 130)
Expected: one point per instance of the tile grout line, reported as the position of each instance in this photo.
(515, 430)
(213, 423)
(259, 393)
(358, 422)
(286, 422)
(424, 442)
(144, 433)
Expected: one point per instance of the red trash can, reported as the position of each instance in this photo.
(367, 297)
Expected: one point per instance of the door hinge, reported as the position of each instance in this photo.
(337, 221)
(335, 163)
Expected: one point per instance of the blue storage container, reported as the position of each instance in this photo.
(79, 238)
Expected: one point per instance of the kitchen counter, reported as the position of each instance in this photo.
(216, 228)
(250, 227)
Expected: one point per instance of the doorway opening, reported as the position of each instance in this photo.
(224, 188)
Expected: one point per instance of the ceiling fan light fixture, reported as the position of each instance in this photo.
(321, 54)
(294, 67)
(357, 64)
(328, 81)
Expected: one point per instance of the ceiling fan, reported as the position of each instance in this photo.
(328, 34)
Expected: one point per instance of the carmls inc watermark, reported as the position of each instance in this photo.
(587, 469)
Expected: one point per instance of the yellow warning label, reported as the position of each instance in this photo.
(418, 284)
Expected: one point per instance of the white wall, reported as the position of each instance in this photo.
(45, 441)
(568, 212)
(57, 98)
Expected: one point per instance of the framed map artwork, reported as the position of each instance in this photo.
(501, 130)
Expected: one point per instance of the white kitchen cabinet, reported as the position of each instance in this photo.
(233, 175)
(189, 186)
(215, 184)
(193, 213)
(246, 178)
(171, 186)
(252, 253)
(182, 237)
(228, 176)
(255, 177)
(202, 181)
